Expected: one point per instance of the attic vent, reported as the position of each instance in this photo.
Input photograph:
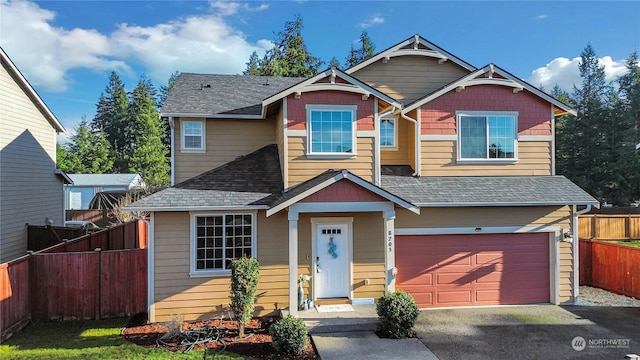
(203, 86)
(266, 81)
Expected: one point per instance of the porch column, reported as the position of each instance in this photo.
(390, 249)
(293, 263)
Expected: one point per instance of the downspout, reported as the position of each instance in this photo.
(576, 251)
(378, 160)
(173, 160)
(150, 267)
(417, 145)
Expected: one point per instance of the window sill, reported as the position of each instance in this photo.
(193, 151)
(389, 148)
(332, 156)
(486, 162)
(210, 274)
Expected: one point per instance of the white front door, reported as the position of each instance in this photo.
(332, 261)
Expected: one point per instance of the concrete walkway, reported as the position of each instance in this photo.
(350, 335)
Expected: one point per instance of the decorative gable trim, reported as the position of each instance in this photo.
(344, 174)
(401, 49)
(354, 85)
(504, 79)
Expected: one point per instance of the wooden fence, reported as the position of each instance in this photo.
(102, 218)
(73, 280)
(43, 236)
(610, 266)
(609, 227)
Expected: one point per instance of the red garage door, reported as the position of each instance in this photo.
(464, 270)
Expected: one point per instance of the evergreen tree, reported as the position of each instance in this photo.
(63, 158)
(253, 65)
(164, 93)
(149, 156)
(289, 57)
(88, 152)
(111, 117)
(365, 51)
(629, 110)
(334, 63)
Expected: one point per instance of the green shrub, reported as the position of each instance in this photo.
(244, 283)
(397, 313)
(289, 335)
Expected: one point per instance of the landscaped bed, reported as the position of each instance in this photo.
(223, 335)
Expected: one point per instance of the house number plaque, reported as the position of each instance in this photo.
(390, 241)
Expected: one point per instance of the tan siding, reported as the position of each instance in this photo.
(403, 154)
(178, 294)
(225, 141)
(302, 169)
(439, 159)
(30, 192)
(280, 140)
(409, 78)
(496, 216)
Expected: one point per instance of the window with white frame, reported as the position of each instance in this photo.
(388, 132)
(331, 129)
(487, 135)
(193, 136)
(218, 239)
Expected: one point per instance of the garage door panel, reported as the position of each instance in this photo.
(462, 270)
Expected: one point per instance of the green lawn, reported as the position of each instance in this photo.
(629, 243)
(86, 340)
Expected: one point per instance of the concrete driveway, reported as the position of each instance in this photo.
(531, 332)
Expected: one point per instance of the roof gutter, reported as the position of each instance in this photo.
(417, 141)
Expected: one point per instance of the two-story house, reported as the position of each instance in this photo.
(413, 170)
(30, 184)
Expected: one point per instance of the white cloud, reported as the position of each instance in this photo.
(226, 8)
(565, 72)
(46, 54)
(371, 21)
(541, 17)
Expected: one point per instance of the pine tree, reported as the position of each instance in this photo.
(88, 152)
(365, 51)
(334, 63)
(149, 156)
(629, 110)
(164, 93)
(253, 65)
(111, 117)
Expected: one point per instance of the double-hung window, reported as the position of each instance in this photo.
(487, 136)
(331, 130)
(388, 133)
(193, 136)
(218, 239)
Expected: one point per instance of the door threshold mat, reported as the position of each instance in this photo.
(334, 308)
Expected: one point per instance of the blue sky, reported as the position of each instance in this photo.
(67, 49)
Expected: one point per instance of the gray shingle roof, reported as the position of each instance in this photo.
(487, 190)
(253, 179)
(209, 94)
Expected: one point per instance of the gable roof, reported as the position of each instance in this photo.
(456, 191)
(30, 91)
(401, 49)
(222, 96)
(329, 178)
(311, 84)
(104, 179)
(250, 181)
(505, 79)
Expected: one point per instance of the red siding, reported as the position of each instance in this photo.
(297, 113)
(438, 117)
(464, 270)
(343, 191)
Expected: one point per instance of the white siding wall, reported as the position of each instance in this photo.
(30, 192)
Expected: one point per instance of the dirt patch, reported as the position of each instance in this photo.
(219, 335)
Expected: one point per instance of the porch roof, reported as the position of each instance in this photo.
(453, 191)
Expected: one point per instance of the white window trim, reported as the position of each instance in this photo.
(193, 272)
(320, 155)
(201, 149)
(395, 135)
(461, 160)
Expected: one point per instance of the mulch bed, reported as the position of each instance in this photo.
(256, 344)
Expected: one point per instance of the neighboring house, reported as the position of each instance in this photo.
(413, 170)
(30, 184)
(85, 186)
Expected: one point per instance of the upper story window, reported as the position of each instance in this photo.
(487, 136)
(331, 130)
(193, 136)
(388, 133)
(218, 239)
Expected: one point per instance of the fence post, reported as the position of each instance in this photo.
(628, 227)
(98, 285)
(594, 226)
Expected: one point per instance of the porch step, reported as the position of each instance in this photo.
(364, 318)
(332, 301)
